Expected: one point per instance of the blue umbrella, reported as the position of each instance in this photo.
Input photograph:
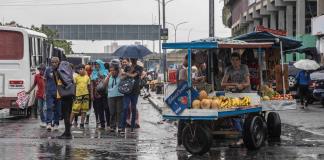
(132, 51)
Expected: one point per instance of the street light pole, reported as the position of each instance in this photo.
(159, 6)
(175, 27)
(189, 34)
(164, 50)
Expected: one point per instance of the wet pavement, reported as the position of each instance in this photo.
(24, 139)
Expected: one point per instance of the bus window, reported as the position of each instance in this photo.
(11, 45)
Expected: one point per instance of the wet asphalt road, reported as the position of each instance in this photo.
(24, 139)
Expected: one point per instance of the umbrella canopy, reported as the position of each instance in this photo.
(132, 51)
(306, 64)
(287, 43)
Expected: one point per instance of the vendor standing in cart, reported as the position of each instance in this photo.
(237, 80)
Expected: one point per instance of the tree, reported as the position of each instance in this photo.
(52, 36)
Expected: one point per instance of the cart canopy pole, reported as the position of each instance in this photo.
(282, 69)
(189, 77)
(260, 55)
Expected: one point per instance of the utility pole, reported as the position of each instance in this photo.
(164, 50)
(211, 34)
(211, 18)
(159, 6)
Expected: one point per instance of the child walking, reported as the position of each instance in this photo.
(81, 102)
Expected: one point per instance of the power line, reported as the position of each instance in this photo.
(58, 4)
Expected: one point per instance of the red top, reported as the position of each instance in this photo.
(40, 82)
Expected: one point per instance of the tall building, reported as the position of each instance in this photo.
(111, 48)
(293, 16)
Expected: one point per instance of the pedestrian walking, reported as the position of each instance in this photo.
(134, 71)
(115, 98)
(302, 81)
(63, 76)
(98, 94)
(39, 81)
(52, 97)
(81, 101)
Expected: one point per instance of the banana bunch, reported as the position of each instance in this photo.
(225, 103)
(235, 102)
(245, 101)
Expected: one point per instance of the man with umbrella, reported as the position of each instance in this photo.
(303, 79)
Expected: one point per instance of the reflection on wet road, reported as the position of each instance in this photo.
(23, 139)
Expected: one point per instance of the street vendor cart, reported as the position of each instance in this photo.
(206, 113)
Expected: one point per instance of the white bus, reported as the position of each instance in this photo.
(77, 59)
(21, 51)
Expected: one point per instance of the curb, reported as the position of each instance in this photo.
(155, 105)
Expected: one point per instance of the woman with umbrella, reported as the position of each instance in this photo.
(133, 71)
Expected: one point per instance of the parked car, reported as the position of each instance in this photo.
(318, 79)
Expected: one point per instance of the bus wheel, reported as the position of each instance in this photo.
(274, 125)
(254, 132)
(196, 139)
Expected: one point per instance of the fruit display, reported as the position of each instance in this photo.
(196, 104)
(212, 102)
(203, 95)
(282, 97)
(269, 94)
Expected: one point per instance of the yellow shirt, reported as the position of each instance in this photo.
(59, 82)
(82, 83)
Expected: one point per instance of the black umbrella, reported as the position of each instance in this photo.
(132, 51)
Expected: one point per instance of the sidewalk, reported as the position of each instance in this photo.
(157, 101)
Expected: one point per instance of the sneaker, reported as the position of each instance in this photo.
(42, 125)
(122, 131)
(56, 127)
(49, 127)
(132, 131)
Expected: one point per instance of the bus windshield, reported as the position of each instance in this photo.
(11, 45)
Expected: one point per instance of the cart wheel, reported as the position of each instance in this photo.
(274, 125)
(254, 132)
(196, 139)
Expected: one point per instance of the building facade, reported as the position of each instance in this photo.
(292, 16)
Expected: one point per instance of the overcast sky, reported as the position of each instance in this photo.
(195, 12)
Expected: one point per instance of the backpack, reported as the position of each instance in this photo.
(65, 72)
(126, 85)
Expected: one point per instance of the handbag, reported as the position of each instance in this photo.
(126, 85)
(66, 91)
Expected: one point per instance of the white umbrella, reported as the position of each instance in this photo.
(306, 64)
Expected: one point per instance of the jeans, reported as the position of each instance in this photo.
(115, 107)
(41, 109)
(132, 99)
(66, 111)
(53, 112)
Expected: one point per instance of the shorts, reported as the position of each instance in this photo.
(81, 104)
